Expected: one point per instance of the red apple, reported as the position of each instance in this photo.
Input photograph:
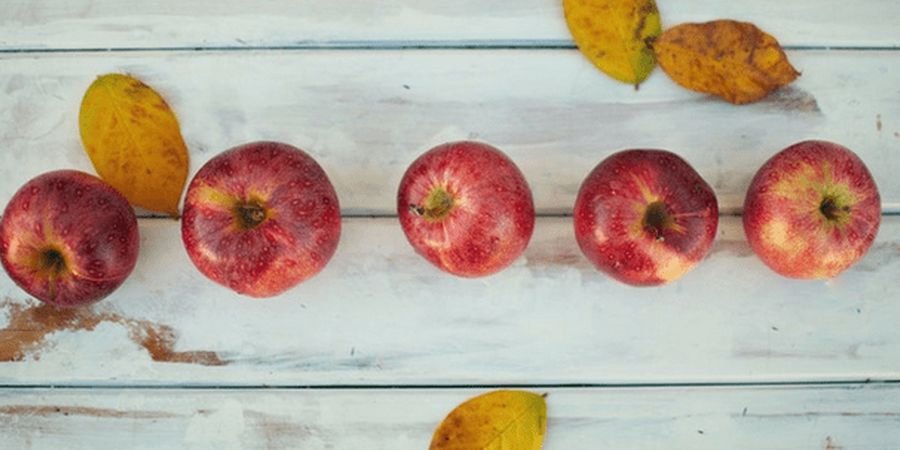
(812, 210)
(645, 217)
(68, 238)
(261, 218)
(466, 208)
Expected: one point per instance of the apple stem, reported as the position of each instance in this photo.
(831, 211)
(52, 264)
(417, 210)
(249, 214)
(657, 218)
(436, 206)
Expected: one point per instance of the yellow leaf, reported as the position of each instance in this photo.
(733, 60)
(499, 420)
(615, 35)
(134, 142)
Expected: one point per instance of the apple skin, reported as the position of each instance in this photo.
(466, 208)
(68, 238)
(812, 210)
(645, 217)
(260, 218)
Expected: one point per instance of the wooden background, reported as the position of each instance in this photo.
(378, 348)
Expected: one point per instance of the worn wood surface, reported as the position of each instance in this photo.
(778, 418)
(374, 351)
(380, 315)
(104, 24)
(366, 115)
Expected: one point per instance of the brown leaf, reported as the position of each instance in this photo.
(614, 35)
(733, 60)
(134, 142)
(497, 420)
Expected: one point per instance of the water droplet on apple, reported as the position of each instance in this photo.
(95, 268)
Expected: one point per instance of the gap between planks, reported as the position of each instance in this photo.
(845, 384)
(389, 45)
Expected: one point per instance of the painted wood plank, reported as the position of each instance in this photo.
(380, 314)
(366, 115)
(103, 24)
(796, 418)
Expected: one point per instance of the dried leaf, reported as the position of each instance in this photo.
(498, 420)
(615, 35)
(733, 60)
(134, 142)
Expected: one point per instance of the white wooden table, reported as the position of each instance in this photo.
(378, 348)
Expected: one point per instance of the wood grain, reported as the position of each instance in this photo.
(105, 24)
(799, 418)
(366, 115)
(381, 315)
(28, 328)
(730, 356)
